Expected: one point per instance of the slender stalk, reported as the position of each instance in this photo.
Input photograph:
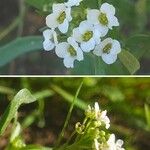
(68, 116)
(10, 28)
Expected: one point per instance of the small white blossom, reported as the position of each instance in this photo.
(70, 51)
(103, 19)
(71, 3)
(114, 145)
(86, 36)
(108, 50)
(50, 39)
(60, 17)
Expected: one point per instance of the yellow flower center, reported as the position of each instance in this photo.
(72, 51)
(107, 48)
(103, 19)
(62, 17)
(87, 36)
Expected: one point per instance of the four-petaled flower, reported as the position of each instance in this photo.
(108, 50)
(114, 145)
(50, 39)
(86, 36)
(70, 51)
(103, 19)
(60, 17)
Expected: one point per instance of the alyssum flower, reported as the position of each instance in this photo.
(50, 39)
(100, 116)
(103, 19)
(60, 17)
(114, 145)
(86, 36)
(70, 51)
(108, 50)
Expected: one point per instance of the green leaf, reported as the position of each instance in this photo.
(22, 97)
(139, 45)
(129, 61)
(19, 47)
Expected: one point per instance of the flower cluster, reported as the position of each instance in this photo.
(95, 127)
(87, 37)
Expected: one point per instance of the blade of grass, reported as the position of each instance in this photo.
(147, 114)
(68, 116)
(68, 97)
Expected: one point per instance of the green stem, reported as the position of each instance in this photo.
(68, 116)
(10, 28)
(22, 10)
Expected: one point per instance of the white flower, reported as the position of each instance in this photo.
(114, 145)
(71, 3)
(99, 115)
(60, 17)
(103, 19)
(50, 39)
(69, 51)
(108, 49)
(86, 36)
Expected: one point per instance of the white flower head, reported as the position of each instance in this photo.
(50, 39)
(114, 145)
(71, 3)
(86, 36)
(70, 51)
(103, 19)
(60, 17)
(108, 50)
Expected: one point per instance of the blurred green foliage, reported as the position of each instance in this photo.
(126, 99)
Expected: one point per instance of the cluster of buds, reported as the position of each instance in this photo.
(89, 36)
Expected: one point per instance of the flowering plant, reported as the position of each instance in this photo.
(92, 133)
(91, 37)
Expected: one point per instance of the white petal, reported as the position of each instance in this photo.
(88, 46)
(48, 45)
(48, 34)
(69, 62)
(68, 14)
(109, 59)
(116, 48)
(77, 35)
(64, 26)
(58, 8)
(97, 35)
(113, 21)
(85, 26)
(98, 50)
(73, 43)
(103, 30)
(55, 37)
(51, 20)
(108, 9)
(119, 143)
(79, 56)
(71, 3)
(61, 49)
(92, 16)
